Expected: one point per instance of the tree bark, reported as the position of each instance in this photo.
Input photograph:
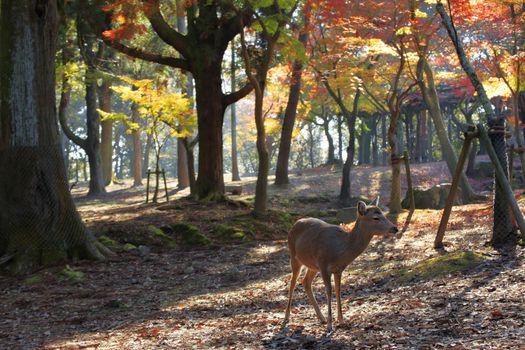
(39, 224)
(428, 90)
(183, 177)
(137, 147)
(290, 113)
(346, 182)
(106, 144)
(96, 178)
(233, 121)
(210, 112)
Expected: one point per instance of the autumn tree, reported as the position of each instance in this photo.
(210, 28)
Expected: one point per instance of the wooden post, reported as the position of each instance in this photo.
(147, 186)
(502, 179)
(438, 242)
(410, 190)
(165, 185)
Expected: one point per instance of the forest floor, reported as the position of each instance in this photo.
(191, 275)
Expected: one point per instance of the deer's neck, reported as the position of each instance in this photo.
(358, 239)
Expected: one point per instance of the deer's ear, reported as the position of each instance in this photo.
(361, 208)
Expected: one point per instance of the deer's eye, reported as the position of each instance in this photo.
(376, 218)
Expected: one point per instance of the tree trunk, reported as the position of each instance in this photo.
(311, 145)
(96, 179)
(233, 121)
(384, 153)
(210, 113)
(106, 144)
(137, 147)
(428, 90)
(39, 223)
(330, 139)
(183, 177)
(395, 190)
(346, 183)
(147, 151)
(340, 137)
(281, 172)
(375, 147)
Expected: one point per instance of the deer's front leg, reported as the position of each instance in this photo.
(337, 280)
(327, 279)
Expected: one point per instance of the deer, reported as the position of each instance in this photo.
(328, 249)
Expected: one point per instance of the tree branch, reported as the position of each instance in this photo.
(169, 35)
(148, 56)
(237, 95)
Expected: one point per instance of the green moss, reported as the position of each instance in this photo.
(157, 233)
(231, 232)
(128, 246)
(35, 279)
(190, 234)
(283, 217)
(451, 263)
(72, 275)
(110, 243)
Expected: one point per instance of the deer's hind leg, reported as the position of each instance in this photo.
(307, 283)
(296, 269)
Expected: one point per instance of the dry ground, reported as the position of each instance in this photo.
(231, 294)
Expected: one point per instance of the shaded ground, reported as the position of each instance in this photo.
(231, 293)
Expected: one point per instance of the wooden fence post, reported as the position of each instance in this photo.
(438, 242)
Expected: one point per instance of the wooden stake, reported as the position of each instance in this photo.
(147, 186)
(438, 242)
(502, 179)
(165, 185)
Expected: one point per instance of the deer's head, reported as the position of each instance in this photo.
(374, 221)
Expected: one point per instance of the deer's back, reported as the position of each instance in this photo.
(314, 242)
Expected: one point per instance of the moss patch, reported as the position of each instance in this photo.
(156, 233)
(110, 243)
(452, 263)
(229, 232)
(69, 274)
(35, 279)
(128, 246)
(190, 234)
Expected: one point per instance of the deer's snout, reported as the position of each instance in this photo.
(393, 230)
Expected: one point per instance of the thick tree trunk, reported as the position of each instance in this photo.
(183, 177)
(210, 112)
(281, 172)
(39, 224)
(106, 143)
(96, 179)
(346, 182)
